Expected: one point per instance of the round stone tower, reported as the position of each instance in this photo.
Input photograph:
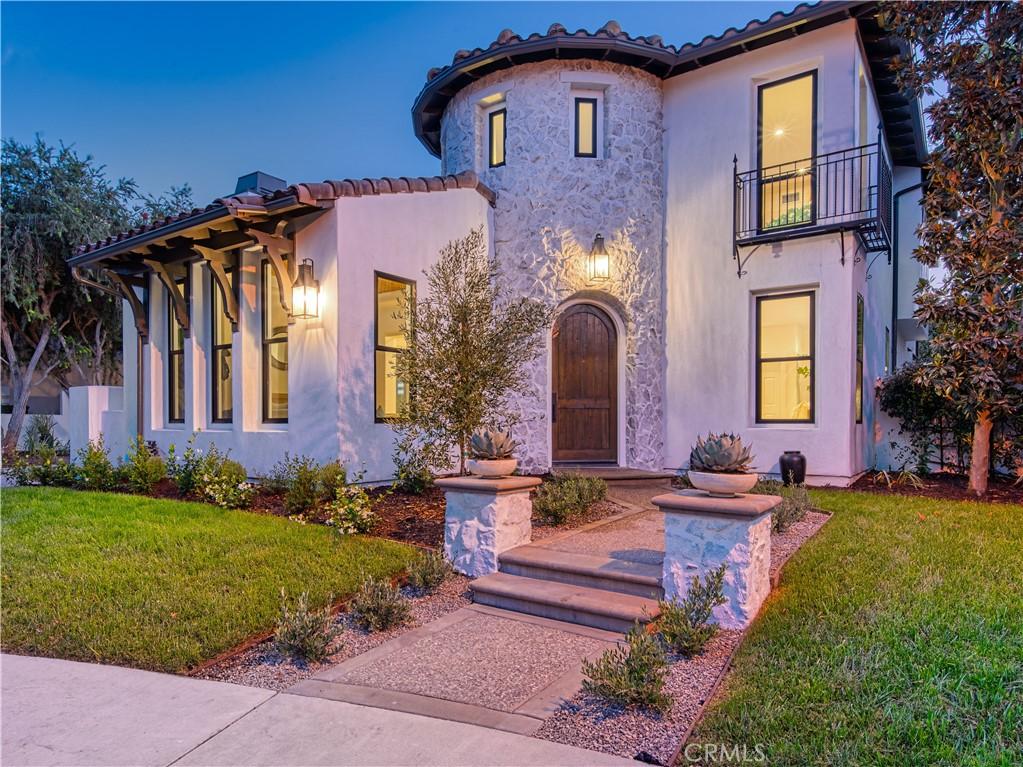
(567, 173)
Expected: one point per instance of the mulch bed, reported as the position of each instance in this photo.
(590, 722)
(948, 487)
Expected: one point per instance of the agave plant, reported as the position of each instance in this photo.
(490, 445)
(723, 453)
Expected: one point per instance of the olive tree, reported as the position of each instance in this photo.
(969, 60)
(469, 343)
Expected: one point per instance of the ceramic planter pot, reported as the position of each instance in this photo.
(491, 469)
(793, 467)
(722, 485)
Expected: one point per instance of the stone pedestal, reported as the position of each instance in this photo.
(701, 532)
(484, 517)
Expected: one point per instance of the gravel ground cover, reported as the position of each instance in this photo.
(590, 722)
(262, 666)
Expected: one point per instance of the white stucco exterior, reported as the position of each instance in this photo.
(660, 191)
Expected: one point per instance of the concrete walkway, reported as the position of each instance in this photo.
(58, 712)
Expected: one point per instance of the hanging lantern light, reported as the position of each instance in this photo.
(305, 293)
(600, 261)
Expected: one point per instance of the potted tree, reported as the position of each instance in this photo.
(720, 465)
(491, 453)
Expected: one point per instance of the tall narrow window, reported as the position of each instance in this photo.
(275, 350)
(785, 358)
(176, 358)
(221, 360)
(585, 127)
(858, 396)
(495, 151)
(393, 295)
(787, 143)
(887, 351)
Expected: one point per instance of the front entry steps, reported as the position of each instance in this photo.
(599, 592)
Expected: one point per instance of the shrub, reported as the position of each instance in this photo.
(350, 512)
(768, 487)
(143, 470)
(795, 502)
(428, 572)
(41, 467)
(184, 469)
(93, 470)
(684, 623)
(378, 606)
(567, 495)
(223, 482)
(412, 473)
(303, 633)
(39, 435)
(305, 483)
(633, 677)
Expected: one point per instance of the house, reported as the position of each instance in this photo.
(724, 227)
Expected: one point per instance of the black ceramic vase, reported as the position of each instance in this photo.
(793, 467)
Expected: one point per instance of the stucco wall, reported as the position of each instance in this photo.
(550, 206)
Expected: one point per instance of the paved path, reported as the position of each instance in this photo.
(58, 712)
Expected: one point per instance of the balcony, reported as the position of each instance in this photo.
(848, 190)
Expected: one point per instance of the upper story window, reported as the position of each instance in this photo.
(785, 358)
(275, 350)
(858, 395)
(786, 146)
(585, 126)
(496, 133)
(221, 360)
(393, 296)
(176, 357)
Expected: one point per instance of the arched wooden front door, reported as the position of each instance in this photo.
(584, 397)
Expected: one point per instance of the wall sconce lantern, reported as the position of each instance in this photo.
(600, 261)
(305, 293)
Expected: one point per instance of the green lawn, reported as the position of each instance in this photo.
(161, 584)
(895, 638)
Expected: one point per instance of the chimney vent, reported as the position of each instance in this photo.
(259, 182)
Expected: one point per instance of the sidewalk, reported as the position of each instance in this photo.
(57, 712)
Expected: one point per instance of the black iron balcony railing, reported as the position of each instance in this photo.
(847, 190)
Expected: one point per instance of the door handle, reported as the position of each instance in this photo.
(554, 407)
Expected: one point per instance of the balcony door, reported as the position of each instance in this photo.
(786, 148)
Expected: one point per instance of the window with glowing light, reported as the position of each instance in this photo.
(496, 122)
(785, 358)
(586, 127)
(787, 144)
(176, 357)
(393, 297)
(275, 350)
(858, 395)
(221, 360)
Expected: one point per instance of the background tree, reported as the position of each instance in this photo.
(53, 201)
(468, 345)
(970, 60)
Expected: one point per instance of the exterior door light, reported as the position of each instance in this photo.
(305, 293)
(600, 261)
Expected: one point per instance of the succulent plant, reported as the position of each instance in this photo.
(723, 453)
(490, 445)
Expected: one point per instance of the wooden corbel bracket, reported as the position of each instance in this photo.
(281, 253)
(217, 260)
(138, 311)
(178, 300)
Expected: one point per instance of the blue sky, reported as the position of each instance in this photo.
(169, 93)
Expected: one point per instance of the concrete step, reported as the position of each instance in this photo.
(596, 572)
(563, 601)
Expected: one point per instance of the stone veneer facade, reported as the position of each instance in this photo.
(551, 204)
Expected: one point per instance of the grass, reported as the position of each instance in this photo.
(160, 584)
(895, 638)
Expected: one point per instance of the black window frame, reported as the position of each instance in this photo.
(265, 275)
(490, 137)
(811, 73)
(858, 389)
(217, 299)
(377, 346)
(811, 357)
(578, 133)
(172, 393)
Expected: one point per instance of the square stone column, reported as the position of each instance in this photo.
(701, 532)
(483, 517)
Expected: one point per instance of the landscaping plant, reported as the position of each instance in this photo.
(684, 623)
(143, 470)
(412, 474)
(378, 606)
(185, 469)
(468, 341)
(564, 496)
(303, 633)
(795, 502)
(723, 453)
(967, 60)
(223, 482)
(350, 512)
(428, 572)
(40, 435)
(41, 467)
(93, 469)
(633, 676)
